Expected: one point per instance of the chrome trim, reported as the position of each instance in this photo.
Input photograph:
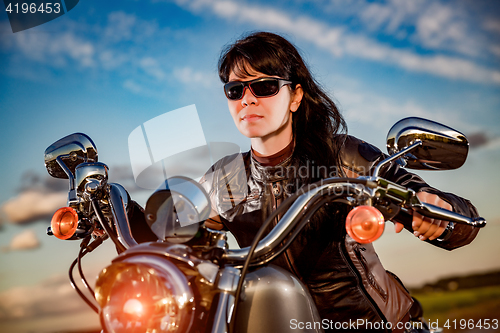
(228, 282)
(223, 313)
(174, 279)
(175, 210)
(178, 252)
(395, 157)
(73, 149)
(118, 201)
(72, 197)
(187, 191)
(228, 279)
(374, 188)
(447, 232)
(86, 171)
(407, 198)
(443, 148)
(447, 215)
(218, 239)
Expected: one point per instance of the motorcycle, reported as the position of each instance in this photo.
(173, 274)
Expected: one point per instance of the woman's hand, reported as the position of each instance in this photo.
(424, 227)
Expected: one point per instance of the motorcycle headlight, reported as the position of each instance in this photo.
(144, 294)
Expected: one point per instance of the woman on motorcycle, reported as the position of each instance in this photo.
(298, 137)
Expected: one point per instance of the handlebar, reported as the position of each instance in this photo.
(369, 190)
(372, 191)
(266, 248)
(439, 213)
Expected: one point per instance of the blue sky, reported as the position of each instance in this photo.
(105, 68)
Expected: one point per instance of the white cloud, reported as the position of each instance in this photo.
(42, 197)
(112, 59)
(267, 17)
(429, 24)
(336, 40)
(391, 16)
(376, 110)
(189, 75)
(32, 205)
(495, 49)
(435, 26)
(135, 87)
(25, 240)
(122, 26)
(151, 67)
(96, 47)
(381, 112)
(53, 296)
(492, 25)
(56, 49)
(442, 27)
(444, 66)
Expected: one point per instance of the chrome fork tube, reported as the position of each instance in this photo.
(118, 200)
(228, 281)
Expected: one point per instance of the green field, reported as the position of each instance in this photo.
(472, 305)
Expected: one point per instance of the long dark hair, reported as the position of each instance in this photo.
(317, 121)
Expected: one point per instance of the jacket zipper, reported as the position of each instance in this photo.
(288, 261)
(360, 283)
(371, 278)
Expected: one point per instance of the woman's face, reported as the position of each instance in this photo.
(264, 117)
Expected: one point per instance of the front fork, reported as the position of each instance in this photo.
(226, 285)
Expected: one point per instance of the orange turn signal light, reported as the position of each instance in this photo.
(64, 223)
(365, 224)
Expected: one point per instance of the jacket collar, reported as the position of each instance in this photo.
(269, 173)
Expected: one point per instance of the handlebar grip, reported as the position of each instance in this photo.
(405, 217)
(436, 212)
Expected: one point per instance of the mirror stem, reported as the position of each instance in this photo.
(394, 157)
(72, 198)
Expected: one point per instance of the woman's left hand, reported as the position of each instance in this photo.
(424, 227)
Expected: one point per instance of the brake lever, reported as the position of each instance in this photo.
(409, 202)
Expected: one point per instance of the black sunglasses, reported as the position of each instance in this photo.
(263, 87)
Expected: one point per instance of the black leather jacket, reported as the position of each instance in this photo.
(345, 278)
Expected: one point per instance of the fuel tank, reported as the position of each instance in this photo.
(276, 301)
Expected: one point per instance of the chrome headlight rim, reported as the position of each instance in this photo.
(153, 267)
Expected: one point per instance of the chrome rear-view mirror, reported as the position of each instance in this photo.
(437, 147)
(71, 151)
